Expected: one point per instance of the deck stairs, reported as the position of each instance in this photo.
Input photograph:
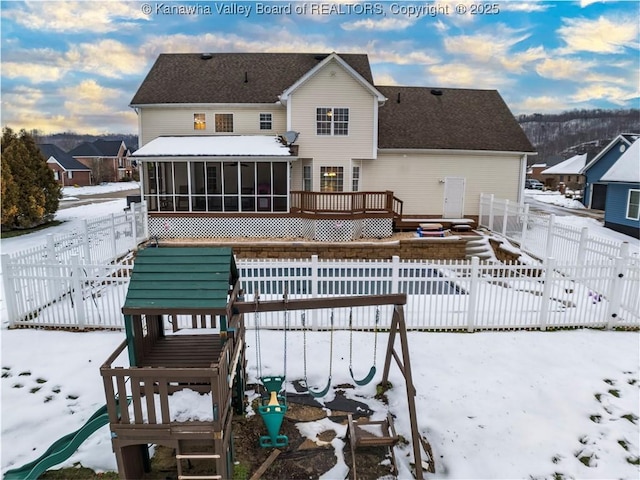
(478, 246)
(182, 456)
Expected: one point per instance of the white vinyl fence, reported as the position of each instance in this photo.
(37, 279)
(441, 295)
(541, 236)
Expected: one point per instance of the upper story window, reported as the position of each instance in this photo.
(199, 121)
(224, 122)
(266, 121)
(332, 121)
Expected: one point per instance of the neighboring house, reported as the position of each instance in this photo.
(566, 173)
(534, 171)
(622, 206)
(595, 191)
(251, 144)
(108, 159)
(67, 170)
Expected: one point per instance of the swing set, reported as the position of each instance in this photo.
(274, 404)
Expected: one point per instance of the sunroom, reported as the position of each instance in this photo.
(215, 174)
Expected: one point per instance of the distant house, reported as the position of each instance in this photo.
(534, 171)
(622, 206)
(272, 144)
(108, 159)
(566, 173)
(595, 191)
(67, 170)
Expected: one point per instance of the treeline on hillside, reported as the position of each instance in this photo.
(30, 193)
(558, 136)
(69, 140)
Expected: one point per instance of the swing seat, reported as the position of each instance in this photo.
(320, 393)
(272, 384)
(366, 380)
(272, 416)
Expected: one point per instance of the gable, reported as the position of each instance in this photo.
(238, 77)
(447, 118)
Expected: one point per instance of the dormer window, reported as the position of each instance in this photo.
(224, 122)
(332, 121)
(199, 121)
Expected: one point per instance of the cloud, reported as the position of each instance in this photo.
(610, 93)
(108, 58)
(89, 96)
(384, 24)
(564, 68)
(463, 75)
(542, 104)
(35, 72)
(602, 35)
(384, 79)
(527, 7)
(75, 17)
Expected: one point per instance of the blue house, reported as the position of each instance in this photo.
(622, 206)
(595, 190)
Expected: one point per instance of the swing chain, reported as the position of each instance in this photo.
(304, 348)
(331, 348)
(375, 336)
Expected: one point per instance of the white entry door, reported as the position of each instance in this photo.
(453, 197)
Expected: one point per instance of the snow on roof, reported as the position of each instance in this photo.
(627, 167)
(571, 166)
(538, 165)
(214, 146)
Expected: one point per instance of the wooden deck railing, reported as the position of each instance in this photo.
(351, 203)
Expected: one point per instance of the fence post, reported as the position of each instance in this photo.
(10, 290)
(52, 286)
(474, 284)
(134, 226)
(395, 274)
(87, 246)
(582, 246)
(144, 219)
(490, 226)
(615, 293)
(112, 233)
(505, 218)
(549, 267)
(525, 226)
(550, 234)
(76, 292)
(624, 250)
(314, 289)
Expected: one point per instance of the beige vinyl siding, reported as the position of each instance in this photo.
(158, 121)
(334, 87)
(415, 178)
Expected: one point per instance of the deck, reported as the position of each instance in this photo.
(184, 351)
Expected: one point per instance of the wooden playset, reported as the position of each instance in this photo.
(202, 286)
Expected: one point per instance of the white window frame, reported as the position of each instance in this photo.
(264, 121)
(330, 112)
(307, 178)
(637, 217)
(215, 122)
(355, 178)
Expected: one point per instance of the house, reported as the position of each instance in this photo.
(566, 174)
(270, 144)
(595, 191)
(622, 205)
(108, 159)
(67, 170)
(535, 171)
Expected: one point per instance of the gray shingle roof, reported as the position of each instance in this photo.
(97, 148)
(231, 77)
(455, 119)
(65, 160)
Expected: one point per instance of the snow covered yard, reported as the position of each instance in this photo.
(493, 405)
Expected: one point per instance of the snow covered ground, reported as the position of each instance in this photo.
(554, 198)
(492, 404)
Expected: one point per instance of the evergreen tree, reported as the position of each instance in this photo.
(33, 197)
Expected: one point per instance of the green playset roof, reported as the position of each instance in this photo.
(176, 280)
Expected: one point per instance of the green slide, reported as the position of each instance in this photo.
(60, 450)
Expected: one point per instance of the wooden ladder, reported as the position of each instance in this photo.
(195, 456)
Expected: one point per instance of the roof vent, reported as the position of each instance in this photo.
(246, 77)
(398, 97)
(435, 92)
(206, 56)
(320, 57)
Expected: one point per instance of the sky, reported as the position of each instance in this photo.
(75, 66)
